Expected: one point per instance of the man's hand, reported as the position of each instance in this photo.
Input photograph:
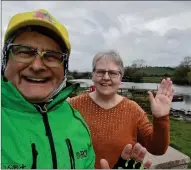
(129, 156)
(161, 103)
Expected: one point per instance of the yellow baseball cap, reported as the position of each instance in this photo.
(40, 18)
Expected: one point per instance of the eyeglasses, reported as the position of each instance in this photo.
(111, 73)
(26, 54)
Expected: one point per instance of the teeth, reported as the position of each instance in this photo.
(34, 79)
(105, 85)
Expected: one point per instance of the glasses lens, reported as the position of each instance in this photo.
(113, 73)
(53, 59)
(22, 53)
(100, 73)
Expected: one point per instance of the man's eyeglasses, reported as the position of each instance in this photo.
(26, 54)
(111, 73)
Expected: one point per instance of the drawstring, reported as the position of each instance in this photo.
(34, 156)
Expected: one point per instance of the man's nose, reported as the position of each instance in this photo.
(37, 64)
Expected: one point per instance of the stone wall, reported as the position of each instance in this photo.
(172, 159)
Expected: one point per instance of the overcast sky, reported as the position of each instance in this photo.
(158, 32)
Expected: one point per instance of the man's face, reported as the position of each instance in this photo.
(35, 81)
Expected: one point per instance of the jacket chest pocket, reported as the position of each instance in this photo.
(78, 153)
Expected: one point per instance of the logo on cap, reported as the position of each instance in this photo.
(43, 16)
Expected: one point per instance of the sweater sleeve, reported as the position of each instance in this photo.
(156, 136)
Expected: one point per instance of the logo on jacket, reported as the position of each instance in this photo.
(82, 154)
(43, 16)
(12, 166)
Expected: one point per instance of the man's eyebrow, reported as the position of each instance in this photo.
(44, 49)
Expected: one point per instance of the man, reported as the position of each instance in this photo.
(39, 128)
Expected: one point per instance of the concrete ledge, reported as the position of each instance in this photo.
(172, 159)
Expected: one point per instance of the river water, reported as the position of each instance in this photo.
(184, 90)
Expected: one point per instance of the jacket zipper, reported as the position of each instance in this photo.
(71, 153)
(43, 111)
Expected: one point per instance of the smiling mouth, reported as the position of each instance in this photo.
(105, 85)
(36, 80)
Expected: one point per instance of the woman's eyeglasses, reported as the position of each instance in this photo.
(111, 73)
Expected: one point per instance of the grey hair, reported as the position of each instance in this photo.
(109, 55)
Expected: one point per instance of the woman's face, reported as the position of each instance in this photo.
(106, 77)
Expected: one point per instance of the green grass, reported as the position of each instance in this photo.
(157, 71)
(180, 136)
(152, 79)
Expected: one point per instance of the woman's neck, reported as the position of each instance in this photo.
(106, 102)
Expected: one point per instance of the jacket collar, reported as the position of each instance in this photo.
(12, 98)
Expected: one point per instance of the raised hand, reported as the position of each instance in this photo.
(131, 158)
(161, 103)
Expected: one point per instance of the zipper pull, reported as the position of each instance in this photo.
(41, 108)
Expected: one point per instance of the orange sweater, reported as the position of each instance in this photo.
(125, 123)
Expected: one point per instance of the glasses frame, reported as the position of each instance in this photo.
(108, 72)
(37, 52)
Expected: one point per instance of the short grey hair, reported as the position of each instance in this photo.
(109, 55)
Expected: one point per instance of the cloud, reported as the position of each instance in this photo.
(158, 32)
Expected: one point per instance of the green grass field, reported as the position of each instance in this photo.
(152, 79)
(155, 74)
(157, 71)
(180, 136)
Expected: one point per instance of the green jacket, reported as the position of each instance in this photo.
(57, 138)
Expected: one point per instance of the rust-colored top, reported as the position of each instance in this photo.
(125, 123)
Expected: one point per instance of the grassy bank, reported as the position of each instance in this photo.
(158, 71)
(152, 79)
(180, 136)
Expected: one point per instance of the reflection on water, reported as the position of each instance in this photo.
(184, 90)
(185, 105)
(187, 98)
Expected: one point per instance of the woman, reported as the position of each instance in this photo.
(115, 120)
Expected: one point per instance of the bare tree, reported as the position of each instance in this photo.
(186, 62)
(138, 63)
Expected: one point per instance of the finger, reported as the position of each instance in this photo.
(136, 150)
(171, 95)
(147, 164)
(141, 155)
(159, 91)
(165, 87)
(104, 164)
(170, 92)
(126, 152)
(169, 88)
(165, 84)
(151, 97)
(169, 79)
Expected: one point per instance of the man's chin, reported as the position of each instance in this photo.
(36, 98)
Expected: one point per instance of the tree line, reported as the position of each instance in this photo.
(140, 72)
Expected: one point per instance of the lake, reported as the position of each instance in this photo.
(184, 90)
